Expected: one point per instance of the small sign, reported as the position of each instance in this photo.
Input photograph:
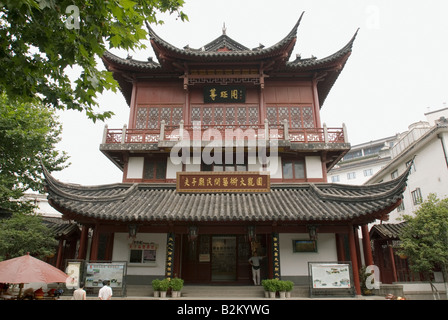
(207, 182)
(331, 279)
(224, 94)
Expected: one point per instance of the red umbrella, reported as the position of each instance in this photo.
(26, 269)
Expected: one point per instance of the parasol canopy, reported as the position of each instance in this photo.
(27, 269)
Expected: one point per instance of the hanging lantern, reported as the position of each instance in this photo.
(251, 233)
(192, 233)
(312, 230)
(132, 231)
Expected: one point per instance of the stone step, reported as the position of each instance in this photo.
(213, 291)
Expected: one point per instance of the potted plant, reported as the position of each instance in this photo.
(156, 287)
(176, 285)
(271, 287)
(289, 285)
(281, 288)
(265, 285)
(163, 287)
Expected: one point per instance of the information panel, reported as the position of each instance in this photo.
(97, 272)
(331, 278)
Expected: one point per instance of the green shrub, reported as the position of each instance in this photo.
(289, 285)
(155, 284)
(270, 285)
(176, 284)
(164, 285)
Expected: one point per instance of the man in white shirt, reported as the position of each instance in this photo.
(105, 292)
(255, 263)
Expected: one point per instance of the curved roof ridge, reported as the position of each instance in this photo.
(217, 43)
(107, 55)
(311, 62)
(63, 189)
(391, 187)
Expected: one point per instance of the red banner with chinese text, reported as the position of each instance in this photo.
(223, 182)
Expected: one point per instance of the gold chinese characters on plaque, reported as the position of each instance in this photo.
(223, 182)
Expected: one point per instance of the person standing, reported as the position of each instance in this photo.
(80, 293)
(105, 292)
(255, 263)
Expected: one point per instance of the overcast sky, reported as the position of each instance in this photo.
(397, 72)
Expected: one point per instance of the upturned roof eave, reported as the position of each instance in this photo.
(329, 202)
(164, 49)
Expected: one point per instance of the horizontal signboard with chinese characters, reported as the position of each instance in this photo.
(224, 94)
(223, 182)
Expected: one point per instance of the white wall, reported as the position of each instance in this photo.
(313, 167)
(172, 169)
(121, 252)
(135, 167)
(296, 263)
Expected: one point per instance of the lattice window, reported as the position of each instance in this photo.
(177, 116)
(151, 117)
(298, 117)
(272, 115)
(225, 115)
(207, 116)
(219, 116)
(230, 115)
(153, 121)
(166, 115)
(242, 116)
(195, 114)
(283, 114)
(253, 115)
(142, 115)
(308, 118)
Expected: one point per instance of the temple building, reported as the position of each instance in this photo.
(225, 154)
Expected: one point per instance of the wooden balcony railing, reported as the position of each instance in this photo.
(199, 132)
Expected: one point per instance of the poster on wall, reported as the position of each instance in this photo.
(331, 278)
(73, 270)
(112, 271)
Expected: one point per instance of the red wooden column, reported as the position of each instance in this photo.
(60, 254)
(95, 243)
(82, 253)
(368, 256)
(354, 258)
(340, 247)
(392, 261)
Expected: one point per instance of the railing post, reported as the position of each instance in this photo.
(181, 130)
(344, 130)
(285, 130)
(105, 133)
(325, 133)
(162, 130)
(266, 129)
(123, 134)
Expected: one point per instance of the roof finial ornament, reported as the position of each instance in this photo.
(224, 29)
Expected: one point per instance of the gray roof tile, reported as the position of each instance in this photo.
(291, 202)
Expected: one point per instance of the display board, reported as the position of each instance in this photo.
(115, 272)
(331, 278)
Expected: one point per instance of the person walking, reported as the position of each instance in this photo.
(255, 263)
(105, 292)
(80, 293)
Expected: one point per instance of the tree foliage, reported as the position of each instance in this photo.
(23, 233)
(28, 137)
(40, 40)
(424, 239)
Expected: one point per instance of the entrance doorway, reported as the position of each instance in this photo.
(223, 258)
(220, 259)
